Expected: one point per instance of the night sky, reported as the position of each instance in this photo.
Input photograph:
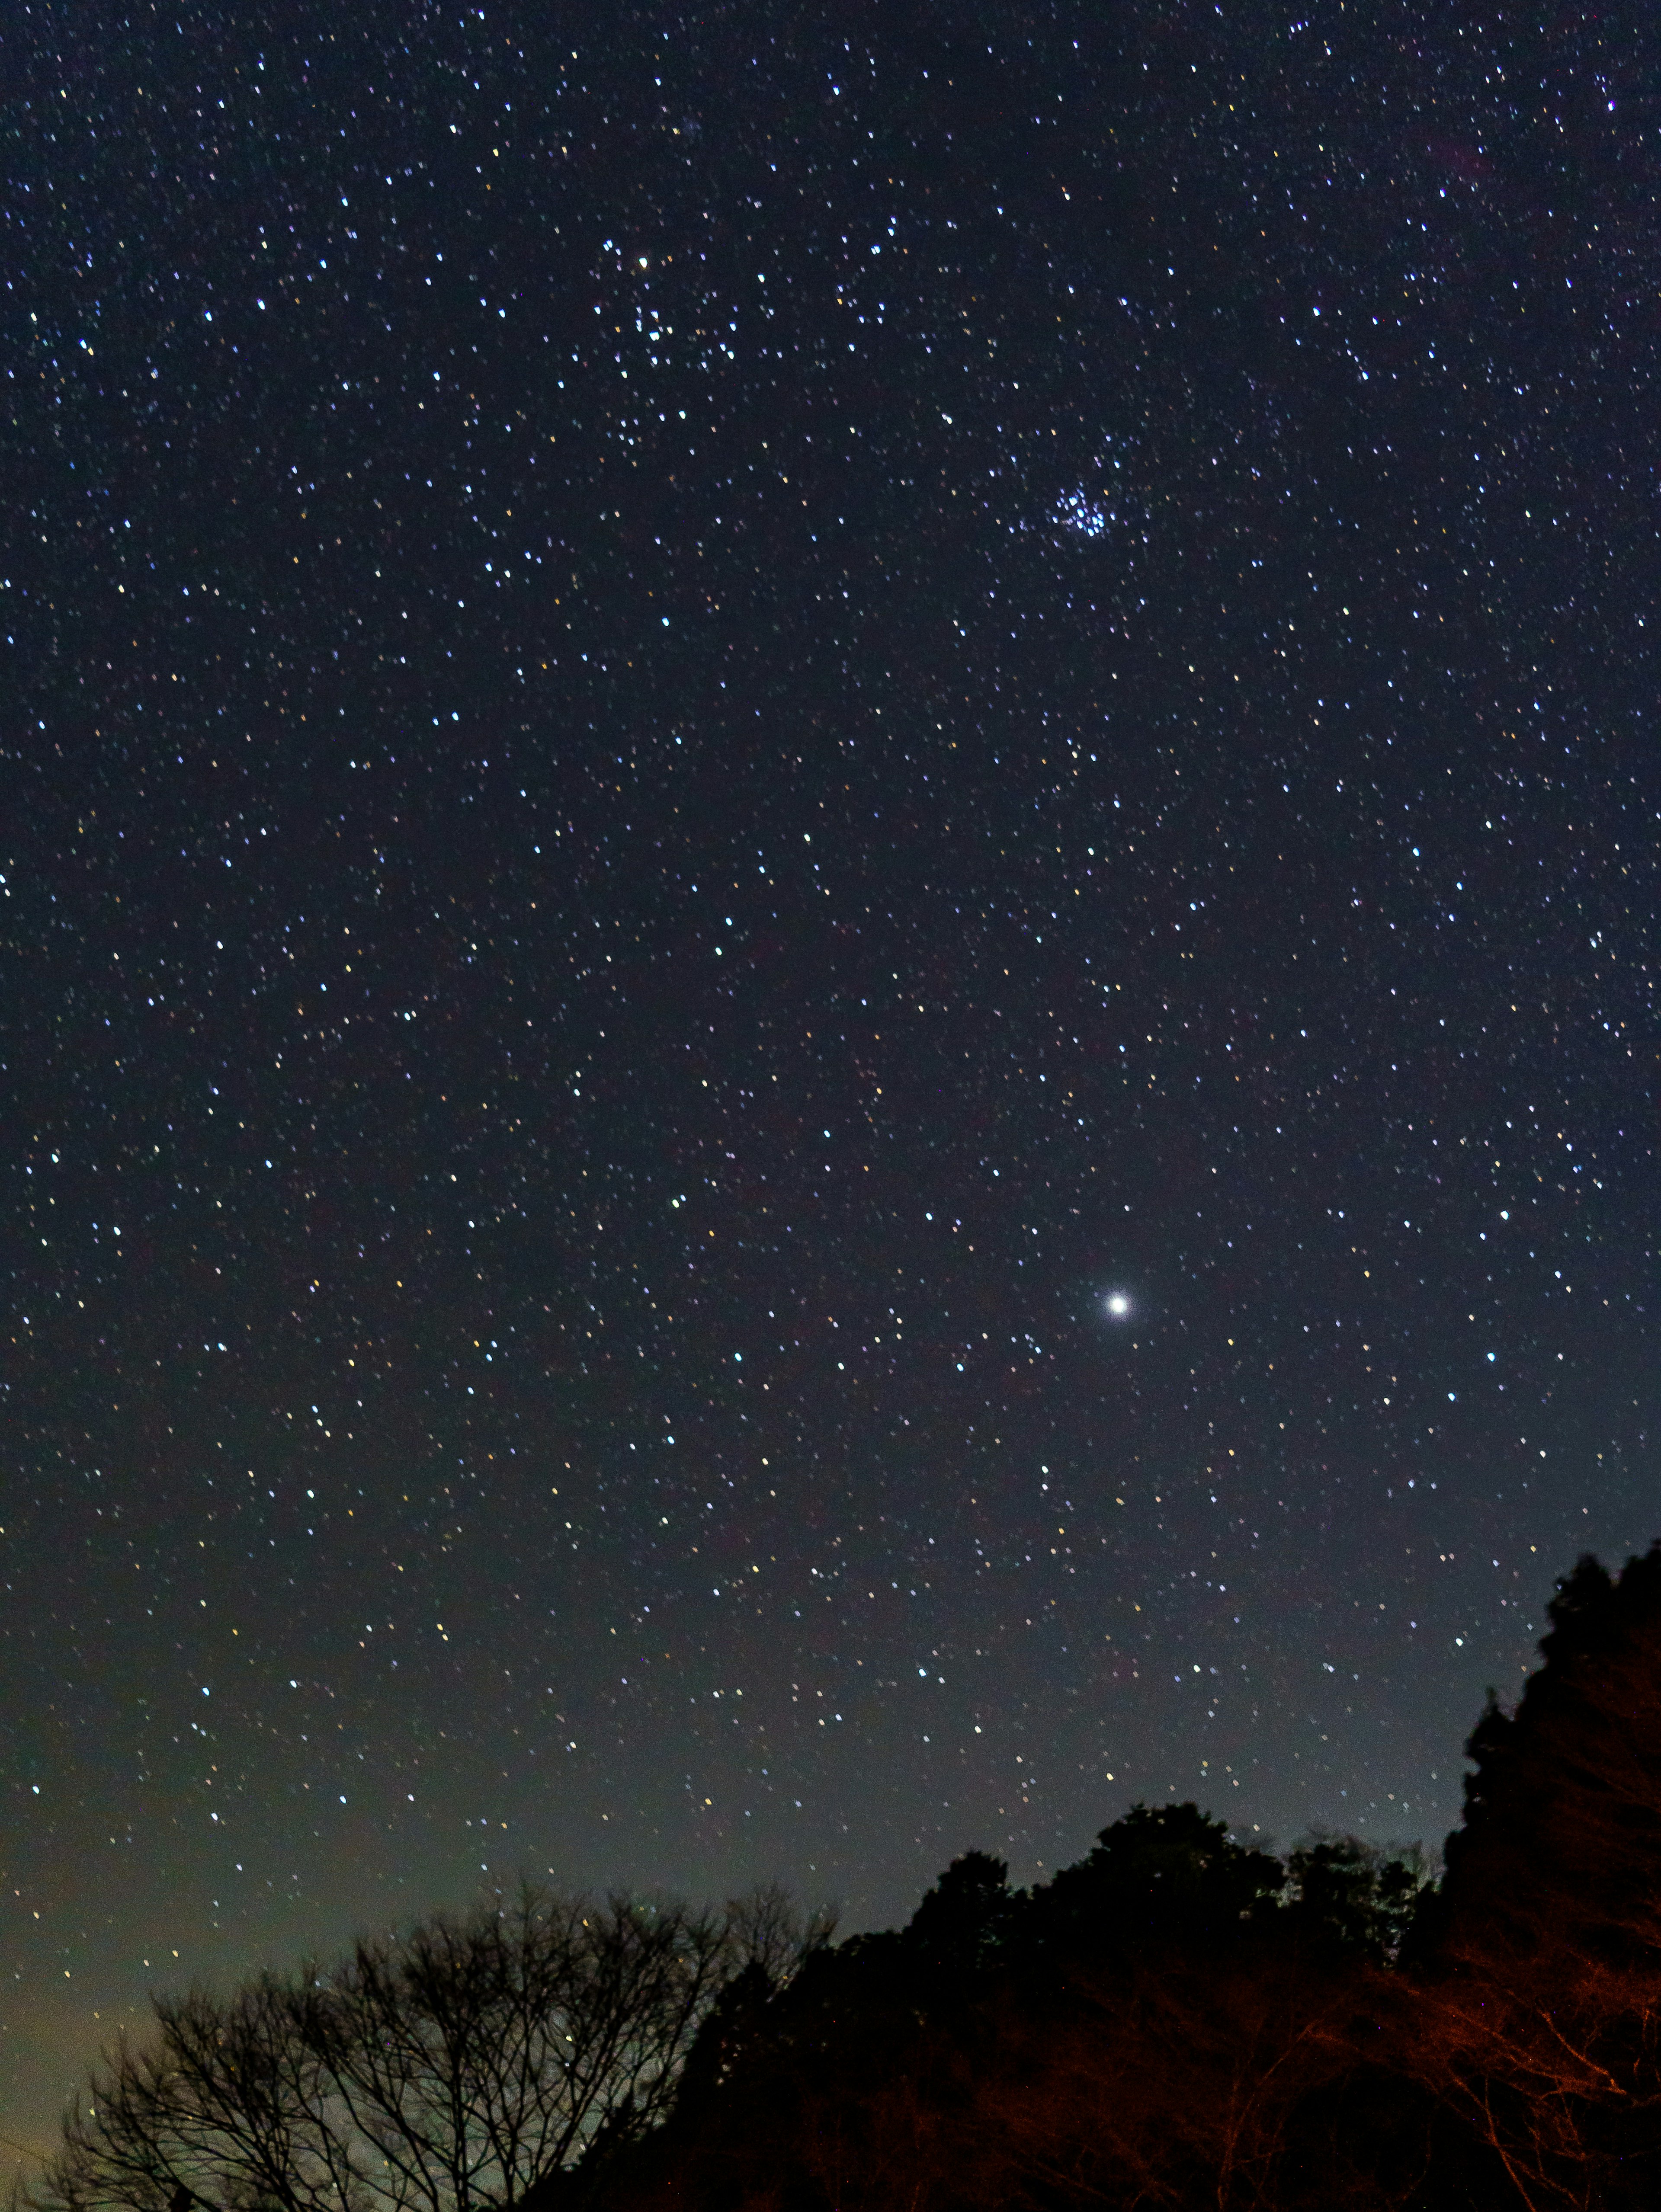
(829, 848)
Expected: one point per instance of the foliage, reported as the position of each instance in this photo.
(1181, 2019)
(1354, 1897)
(1560, 1846)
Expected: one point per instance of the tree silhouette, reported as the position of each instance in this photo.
(966, 1916)
(1163, 1874)
(1352, 1896)
(453, 2069)
(1560, 1845)
(1540, 2021)
(1180, 2019)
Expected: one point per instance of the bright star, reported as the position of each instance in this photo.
(1118, 1305)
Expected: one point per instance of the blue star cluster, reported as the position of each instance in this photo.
(829, 902)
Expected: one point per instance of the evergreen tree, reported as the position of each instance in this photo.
(1162, 1874)
(967, 1916)
(1561, 1844)
(1351, 1897)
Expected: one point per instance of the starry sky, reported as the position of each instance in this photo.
(829, 915)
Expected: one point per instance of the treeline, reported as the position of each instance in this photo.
(1179, 2020)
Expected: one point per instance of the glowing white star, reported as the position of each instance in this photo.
(1118, 1305)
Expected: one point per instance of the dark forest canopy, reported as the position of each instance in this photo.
(1180, 2019)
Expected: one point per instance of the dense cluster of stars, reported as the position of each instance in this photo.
(832, 906)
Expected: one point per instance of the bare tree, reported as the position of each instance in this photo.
(451, 2069)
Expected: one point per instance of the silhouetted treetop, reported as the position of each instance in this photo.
(1353, 1896)
(1561, 1843)
(1163, 1872)
(1180, 2019)
(464, 2066)
(968, 1914)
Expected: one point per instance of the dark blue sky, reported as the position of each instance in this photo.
(708, 725)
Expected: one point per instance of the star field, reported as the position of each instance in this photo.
(829, 894)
